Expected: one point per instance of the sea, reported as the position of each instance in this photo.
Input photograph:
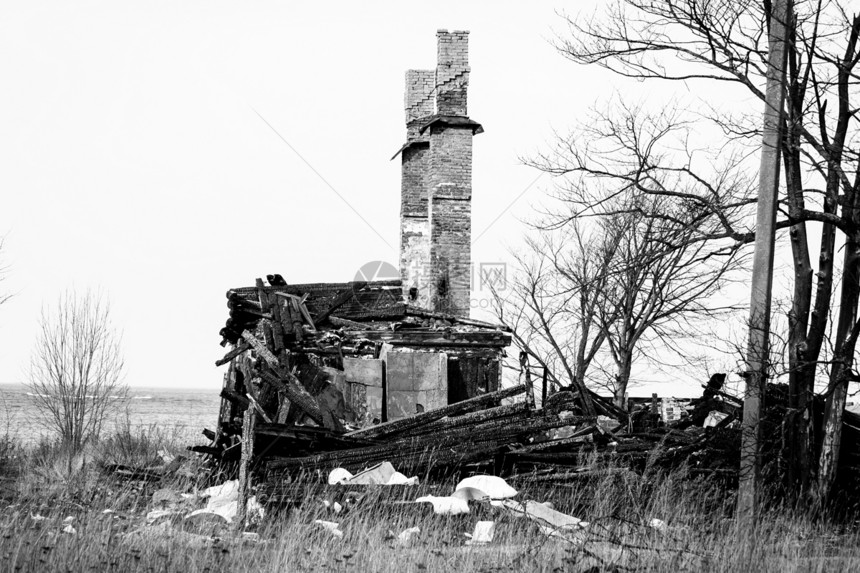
(179, 412)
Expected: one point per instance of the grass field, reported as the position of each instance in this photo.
(61, 514)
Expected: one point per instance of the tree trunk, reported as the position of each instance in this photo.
(843, 361)
(800, 383)
(622, 379)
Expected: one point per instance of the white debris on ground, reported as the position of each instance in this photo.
(493, 486)
(551, 522)
(483, 534)
(470, 494)
(221, 500)
(380, 474)
(445, 505)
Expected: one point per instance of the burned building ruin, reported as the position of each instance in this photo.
(346, 356)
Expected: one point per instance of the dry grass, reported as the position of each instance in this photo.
(110, 534)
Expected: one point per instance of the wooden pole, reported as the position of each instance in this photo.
(762, 277)
(249, 424)
(544, 389)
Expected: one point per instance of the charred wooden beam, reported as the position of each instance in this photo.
(425, 450)
(233, 354)
(421, 313)
(470, 405)
(437, 338)
(235, 398)
(209, 450)
(337, 321)
(292, 387)
(478, 417)
(248, 434)
(258, 408)
(339, 301)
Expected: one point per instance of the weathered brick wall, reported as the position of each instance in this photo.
(414, 217)
(413, 181)
(419, 98)
(452, 72)
(450, 219)
(436, 185)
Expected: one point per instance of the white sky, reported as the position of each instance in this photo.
(132, 159)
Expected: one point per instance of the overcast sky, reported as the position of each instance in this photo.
(133, 158)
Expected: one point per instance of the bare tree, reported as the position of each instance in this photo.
(552, 305)
(635, 278)
(76, 370)
(704, 44)
(661, 283)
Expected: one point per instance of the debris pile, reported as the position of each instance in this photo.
(348, 376)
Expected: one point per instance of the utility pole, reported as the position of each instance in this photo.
(762, 277)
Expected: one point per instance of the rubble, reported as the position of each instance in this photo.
(345, 382)
(483, 534)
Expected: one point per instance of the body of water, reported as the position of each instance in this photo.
(181, 410)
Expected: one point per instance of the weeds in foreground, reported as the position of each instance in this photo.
(657, 522)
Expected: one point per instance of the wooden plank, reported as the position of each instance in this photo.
(263, 297)
(261, 350)
(438, 338)
(239, 349)
(301, 307)
(299, 397)
(463, 407)
(248, 426)
(421, 313)
(339, 301)
(258, 408)
(235, 398)
(337, 321)
(277, 326)
(296, 315)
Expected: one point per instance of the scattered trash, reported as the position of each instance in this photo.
(69, 519)
(445, 505)
(494, 487)
(551, 522)
(330, 526)
(69, 529)
(470, 494)
(398, 478)
(223, 500)
(38, 517)
(380, 474)
(338, 476)
(657, 524)
(483, 534)
(228, 489)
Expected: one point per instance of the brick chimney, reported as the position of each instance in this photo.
(436, 184)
